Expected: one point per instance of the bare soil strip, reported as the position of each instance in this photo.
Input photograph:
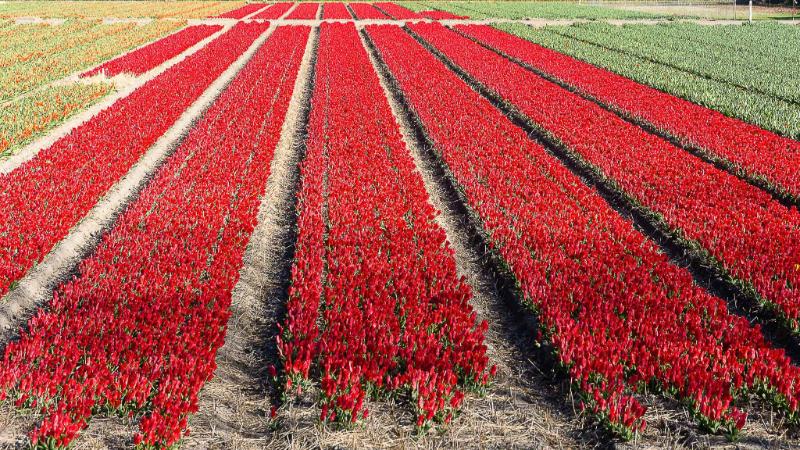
(235, 404)
(127, 85)
(28, 20)
(36, 287)
(137, 20)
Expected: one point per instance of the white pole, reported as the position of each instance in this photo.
(751, 12)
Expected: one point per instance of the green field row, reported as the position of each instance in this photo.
(734, 55)
(527, 10)
(598, 11)
(741, 71)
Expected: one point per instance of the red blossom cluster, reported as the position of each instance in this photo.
(335, 11)
(756, 151)
(304, 11)
(619, 315)
(275, 11)
(42, 199)
(367, 11)
(242, 12)
(398, 12)
(375, 303)
(136, 332)
(150, 56)
(753, 236)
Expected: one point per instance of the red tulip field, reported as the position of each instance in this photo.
(394, 225)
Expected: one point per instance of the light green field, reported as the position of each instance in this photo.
(747, 72)
(527, 10)
(597, 10)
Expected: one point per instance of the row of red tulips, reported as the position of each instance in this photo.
(751, 235)
(396, 11)
(375, 302)
(156, 53)
(367, 11)
(620, 316)
(136, 332)
(756, 152)
(42, 199)
(275, 11)
(335, 11)
(304, 11)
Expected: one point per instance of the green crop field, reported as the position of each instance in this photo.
(527, 10)
(748, 72)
